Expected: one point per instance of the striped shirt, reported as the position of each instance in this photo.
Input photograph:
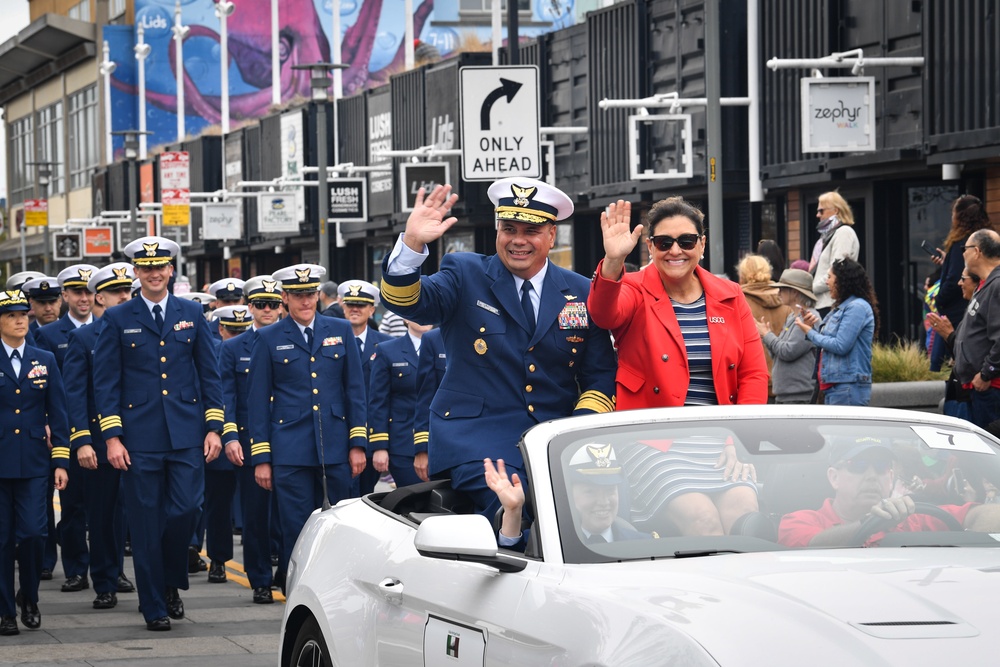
(694, 328)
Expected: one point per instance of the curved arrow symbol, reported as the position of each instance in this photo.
(507, 88)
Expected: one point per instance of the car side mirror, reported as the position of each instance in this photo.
(463, 537)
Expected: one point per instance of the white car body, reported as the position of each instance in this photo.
(376, 600)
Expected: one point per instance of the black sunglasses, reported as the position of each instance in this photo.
(665, 243)
(266, 305)
(860, 466)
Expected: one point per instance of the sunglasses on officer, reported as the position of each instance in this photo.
(266, 305)
(665, 243)
(860, 466)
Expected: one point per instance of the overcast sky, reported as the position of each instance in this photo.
(15, 18)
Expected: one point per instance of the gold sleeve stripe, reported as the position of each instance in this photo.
(60, 452)
(358, 432)
(260, 448)
(79, 434)
(420, 437)
(215, 414)
(378, 437)
(111, 422)
(229, 427)
(407, 295)
(596, 402)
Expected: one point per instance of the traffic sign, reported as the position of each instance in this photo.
(36, 212)
(175, 188)
(500, 122)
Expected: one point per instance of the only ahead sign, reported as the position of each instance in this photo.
(500, 123)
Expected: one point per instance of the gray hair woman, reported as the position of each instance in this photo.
(793, 378)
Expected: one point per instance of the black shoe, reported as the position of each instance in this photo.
(158, 625)
(217, 573)
(278, 581)
(237, 531)
(30, 616)
(195, 562)
(124, 585)
(128, 548)
(46, 575)
(275, 560)
(8, 626)
(262, 595)
(75, 583)
(175, 606)
(106, 601)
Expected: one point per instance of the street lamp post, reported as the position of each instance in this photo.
(320, 84)
(180, 34)
(44, 179)
(141, 51)
(108, 67)
(131, 153)
(223, 10)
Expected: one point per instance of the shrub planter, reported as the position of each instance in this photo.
(926, 396)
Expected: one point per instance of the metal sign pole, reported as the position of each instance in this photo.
(713, 90)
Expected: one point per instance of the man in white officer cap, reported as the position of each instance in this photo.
(44, 294)
(99, 481)
(520, 347)
(308, 414)
(359, 299)
(225, 292)
(156, 377)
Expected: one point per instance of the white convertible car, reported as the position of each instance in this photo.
(843, 563)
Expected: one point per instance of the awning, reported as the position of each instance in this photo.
(49, 45)
(34, 245)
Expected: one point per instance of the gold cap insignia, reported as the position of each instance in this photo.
(239, 315)
(303, 275)
(43, 285)
(269, 285)
(600, 455)
(355, 290)
(230, 287)
(84, 273)
(121, 273)
(14, 294)
(150, 249)
(522, 195)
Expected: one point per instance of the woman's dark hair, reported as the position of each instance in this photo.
(852, 280)
(772, 252)
(968, 214)
(672, 207)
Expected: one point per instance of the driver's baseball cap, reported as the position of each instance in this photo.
(852, 448)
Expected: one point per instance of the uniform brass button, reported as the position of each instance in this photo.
(17, 391)
(531, 408)
(315, 407)
(732, 366)
(314, 375)
(315, 391)
(162, 343)
(286, 361)
(665, 358)
(571, 364)
(531, 368)
(656, 390)
(336, 356)
(531, 349)
(163, 359)
(130, 405)
(163, 375)
(574, 350)
(164, 392)
(447, 413)
(18, 411)
(243, 428)
(400, 375)
(17, 431)
(312, 358)
(482, 329)
(247, 370)
(528, 388)
(281, 421)
(133, 344)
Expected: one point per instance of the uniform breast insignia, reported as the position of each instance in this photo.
(244, 358)
(333, 340)
(486, 306)
(38, 371)
(400, 364)
(569, 297)
(132, 331)
(573, 316)
(284, 347)
(372, 358)
(180, 326)
(574, 339)
(480, 346)
(62, 345)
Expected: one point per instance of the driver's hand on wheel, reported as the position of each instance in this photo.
(894, 509)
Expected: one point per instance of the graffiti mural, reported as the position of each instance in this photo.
(372, 47)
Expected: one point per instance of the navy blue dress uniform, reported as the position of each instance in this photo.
(103, 502)
(307, 408)
(31, 397)
(72, 527)
(42, 289)
(430, 372)
(363, 293)
(255, 501)
(391, 405)
(158, 391)
(505, 374)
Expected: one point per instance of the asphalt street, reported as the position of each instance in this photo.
(221, 627)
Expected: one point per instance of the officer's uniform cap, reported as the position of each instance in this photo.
(236, 317)
(112, 276)
(262, 287)
(595, 463)
(359, 292)
(136, 286)
(16, 281)
(77, 276)
(45, 288)
(13, 300)
(204, 298)
(529, 200)
(300, 278)
(228, 289)
(152, 251)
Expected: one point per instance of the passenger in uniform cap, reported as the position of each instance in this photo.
(44, 295)
(263, 295)
(520, 345)
(94, 474)
(71, 531)
(307, 406)
(359, 300)
(31, 391)
(156, 379)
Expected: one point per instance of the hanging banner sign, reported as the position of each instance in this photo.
(276, 213)
(838, 114)
(416, 175)
(348, 199)
(36, 212)
(67, 246)
(175, 188)
(97, 241)
(221, 222)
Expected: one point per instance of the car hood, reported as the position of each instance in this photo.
(854, 606)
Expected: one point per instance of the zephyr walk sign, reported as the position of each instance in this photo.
(500, 122)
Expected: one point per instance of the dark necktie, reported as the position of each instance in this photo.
(158, 317)
(309, 337)
(15, 362)
(361, 343)
(596, 539)
(529, 312)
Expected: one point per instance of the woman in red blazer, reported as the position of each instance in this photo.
(684, 337)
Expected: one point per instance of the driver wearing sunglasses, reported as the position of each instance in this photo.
(861, 474)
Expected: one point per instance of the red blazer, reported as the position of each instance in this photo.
(652, 359)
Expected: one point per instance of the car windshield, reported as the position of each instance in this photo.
(639, 491)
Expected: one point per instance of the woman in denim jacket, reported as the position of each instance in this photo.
(845, 335)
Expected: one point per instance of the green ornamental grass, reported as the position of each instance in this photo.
(902, 361)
